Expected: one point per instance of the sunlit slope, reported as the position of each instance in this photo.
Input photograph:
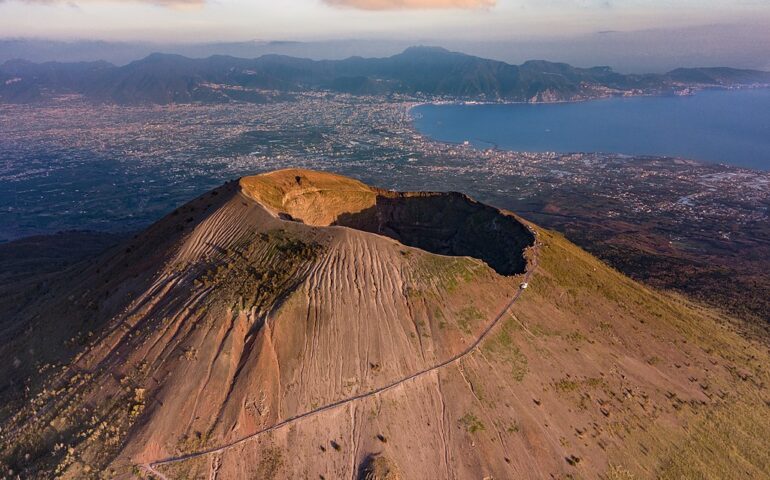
(590, 376)
(234, 321)
(654, 385)
(315, 198)
(174, 355)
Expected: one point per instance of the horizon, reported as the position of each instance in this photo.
(634, 37)
(625, 52)
(417, 46)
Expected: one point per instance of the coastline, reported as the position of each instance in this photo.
(693, 91)
(731, 159)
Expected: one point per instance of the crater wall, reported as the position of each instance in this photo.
(440, 223)
(447, 224)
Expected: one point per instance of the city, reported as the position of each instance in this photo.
(698, 228)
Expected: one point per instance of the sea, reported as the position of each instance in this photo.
(722, 126)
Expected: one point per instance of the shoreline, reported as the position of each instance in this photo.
(693, 92)
(495, 146)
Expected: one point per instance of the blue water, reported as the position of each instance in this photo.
(723, 126)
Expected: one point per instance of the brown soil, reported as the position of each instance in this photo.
(341, 321)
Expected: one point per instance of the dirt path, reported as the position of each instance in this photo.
(151, 467)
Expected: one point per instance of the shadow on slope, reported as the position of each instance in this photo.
(447, 224)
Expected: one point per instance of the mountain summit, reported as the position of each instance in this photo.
(416, 72)
(300, 324)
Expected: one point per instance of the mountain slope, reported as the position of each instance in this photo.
(363, 332)
(162, 78)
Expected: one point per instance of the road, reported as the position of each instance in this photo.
(151, 467)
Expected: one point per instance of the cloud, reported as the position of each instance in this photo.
(162, 3)
(411, 4)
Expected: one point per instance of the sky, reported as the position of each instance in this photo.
(307, 20)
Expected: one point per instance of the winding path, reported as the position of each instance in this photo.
(151, 467)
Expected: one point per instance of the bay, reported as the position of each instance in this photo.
(722, 126)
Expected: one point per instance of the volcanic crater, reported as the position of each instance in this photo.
(444, 223)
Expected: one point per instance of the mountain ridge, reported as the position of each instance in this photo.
(417, 71)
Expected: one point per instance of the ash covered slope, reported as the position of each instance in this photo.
(285, 293)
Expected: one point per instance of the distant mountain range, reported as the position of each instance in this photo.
(416, 72)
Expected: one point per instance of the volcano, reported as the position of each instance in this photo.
(301, 324)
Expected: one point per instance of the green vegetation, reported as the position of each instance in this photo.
(71, 436)
(580, 278)
(467, 317)
(471, 423)
(502, 347)
(270, 463)
(726, 442)
(566, 385)
(192, 442)
(570, 384)
(378, 467)
(575, 337)
(725, 438)
(617, 472)
(258, 270)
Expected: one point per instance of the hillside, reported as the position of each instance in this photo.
(418, 71)
(300, 324)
